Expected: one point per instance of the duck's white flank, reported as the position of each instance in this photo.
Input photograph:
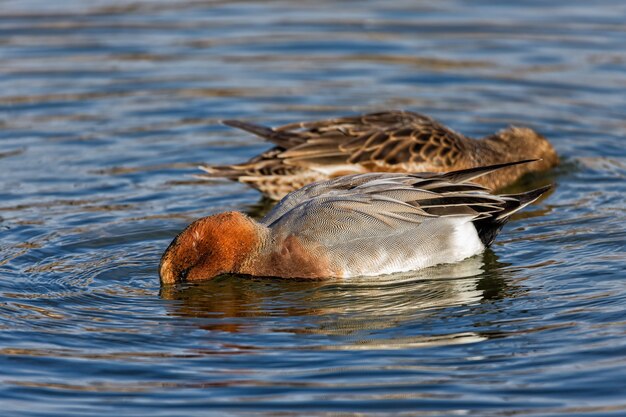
(436, 241)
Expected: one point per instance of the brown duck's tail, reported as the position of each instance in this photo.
(283, 139)
(489, 227)
(220, 171)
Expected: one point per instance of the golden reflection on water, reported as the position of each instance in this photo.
(357, 308)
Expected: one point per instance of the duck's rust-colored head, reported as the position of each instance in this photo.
(209, 247)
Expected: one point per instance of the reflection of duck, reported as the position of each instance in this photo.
(368, 224)
(395, 141)
(355, 308)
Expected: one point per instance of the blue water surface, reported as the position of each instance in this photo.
(106, 109)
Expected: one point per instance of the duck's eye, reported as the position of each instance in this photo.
(183, 274)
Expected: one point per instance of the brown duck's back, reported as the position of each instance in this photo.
(396, 141)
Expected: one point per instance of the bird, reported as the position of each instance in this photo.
(356, 225)
(391, 141)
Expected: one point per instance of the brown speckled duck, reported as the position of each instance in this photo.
(393, 141)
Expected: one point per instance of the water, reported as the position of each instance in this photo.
(106, 107)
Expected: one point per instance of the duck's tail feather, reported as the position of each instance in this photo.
(489, 227)
(283, 139)
(219, 171)
(516, 202)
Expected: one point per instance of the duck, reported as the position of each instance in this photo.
(356, 225)
(391, 141)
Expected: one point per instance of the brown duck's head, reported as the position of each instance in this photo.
(209, 247)
(525, 143)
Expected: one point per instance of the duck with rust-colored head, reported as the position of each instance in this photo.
(394, 141)
(357, 225)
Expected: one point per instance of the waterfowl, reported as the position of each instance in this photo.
(393, 141)
(356, 225)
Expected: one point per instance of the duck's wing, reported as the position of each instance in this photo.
(414, 140)
(375, 205)
(427, 181)
(378, 204)
(316, 189)
(377, 141)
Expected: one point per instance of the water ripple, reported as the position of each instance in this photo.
(106, 109)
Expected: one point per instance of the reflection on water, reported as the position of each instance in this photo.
(106, 109)
(359, 307)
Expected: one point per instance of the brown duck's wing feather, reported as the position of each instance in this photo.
(412, 139)
(337, 130)
(385, 141)
(352, 126)
(382, 141)
(377, 141)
